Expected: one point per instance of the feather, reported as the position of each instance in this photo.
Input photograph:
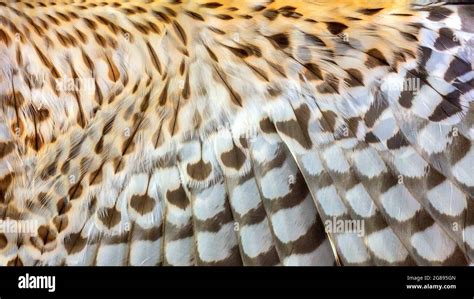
(237, 133)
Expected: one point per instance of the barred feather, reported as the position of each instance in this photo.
(233, 132)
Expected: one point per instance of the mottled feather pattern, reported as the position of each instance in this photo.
(224, 132)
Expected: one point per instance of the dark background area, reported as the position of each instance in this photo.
(250, 282)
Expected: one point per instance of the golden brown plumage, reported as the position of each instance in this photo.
(236, 132)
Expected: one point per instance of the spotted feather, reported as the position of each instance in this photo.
(236, 132)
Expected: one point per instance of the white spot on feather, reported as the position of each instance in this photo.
(409, 163)
(434, 138)
(330, 201)
(256, 238)
(216, 246)
(386, 246)
(360, 201)
(335, 160)
(352, 248)
(245, 197)
(180, 252)
(292, 223)
(433, 244)
(463, 168)
(399, 203)
(209, 202)
(447, 199)
(369, 163)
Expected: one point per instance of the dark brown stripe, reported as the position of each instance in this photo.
(161, 16)
(270, 14)
(164, 94)
(74, 243)
(241, 53)
(5, 38)
(211, 54)
(211, 5)
(180, 32)
(457, 68)
(292, 128)
(355, 78)
(446, 40)
(259, 72)
(375, 110)
(223, 17)
(147, 234)
(449, 106)
(194, 15)
(113, 73)
(6, 148)
(314, 40)
(234, 158)
(154, 58)
(397, 141)
(459, 149)
(234, 96)
(375, 58)
(47, 63)
(143, 204)
(313, 72)
(199, 171)
(110, 217)
(336, 27)
(439, 13)
(178, 197)
(370, 11)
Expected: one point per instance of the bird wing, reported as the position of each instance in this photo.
(237, 133)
